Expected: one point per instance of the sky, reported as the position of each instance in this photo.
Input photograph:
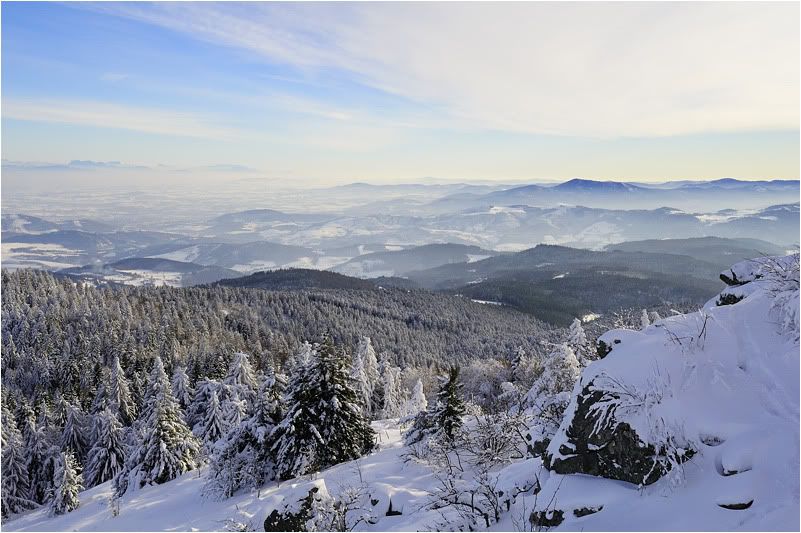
(386, 92)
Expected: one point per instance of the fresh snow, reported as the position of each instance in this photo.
(723, 380)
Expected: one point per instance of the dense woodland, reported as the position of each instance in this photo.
(138, 385)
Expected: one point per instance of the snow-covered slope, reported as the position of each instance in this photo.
(714, 394)
(721, 385)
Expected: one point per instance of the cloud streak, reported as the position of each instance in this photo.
(118, 116)
(577, 69)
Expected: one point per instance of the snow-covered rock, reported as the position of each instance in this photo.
(703, 406)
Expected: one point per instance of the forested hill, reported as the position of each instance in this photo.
(65, 331)
(298, 278)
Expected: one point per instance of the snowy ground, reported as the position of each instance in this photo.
(728, 378)
(178, 505)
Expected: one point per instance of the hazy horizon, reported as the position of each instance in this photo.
(316, 94)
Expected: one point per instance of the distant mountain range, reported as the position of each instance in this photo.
(687, 195)
(401, 262)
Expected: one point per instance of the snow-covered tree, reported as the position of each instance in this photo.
(449, 408)
(67, 483)
(645, 320)
(198, 410)
(363, 386)
(244, 458)
(324, 424)
(234, 409)
(106, 458)
(41, 455)
(517, 359)
(444, 418)
(166, 448)
(366, 353)
(577, 340)
(14, 481)
(550, 393)
(391, 387)
(119, 394)
(214, 425)
(241, 377)
(417, 403)
(182, 388)
(74, 437)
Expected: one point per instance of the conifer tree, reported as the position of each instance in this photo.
(517, 359)
(645, 320)
(41, 457)
(444, 418)
(324, 424)
(244, 458)
(390, 384)
(107, 456)
(241, 375)
(67, 483)
(550, 393)
(214, 425)
(165, 448)
(182, 388)
(74, 437)
(449, 408)
(119, 394)
(577, 341)
(417, 403)
(360, 381)
(366, 353)
(15, 486)
(199, 408)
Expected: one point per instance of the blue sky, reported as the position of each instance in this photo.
(387, 92)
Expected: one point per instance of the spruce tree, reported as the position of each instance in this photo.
(517, 359)
(391, 386)
(107, 456)
(366, 353)
(74, 437)
(417, 403)
(324, 424)
(40, 460)
(214, 426)
(244, 457)
(67, 483)
(345, 430)
(577, 341)
(197, 412)
(119, 394)
(166, 448)
(182, 388)
(362, 384)
(15, 486)
(449, 409)
(241, 376)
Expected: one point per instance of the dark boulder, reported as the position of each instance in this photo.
(585, 511)
(289, 520)
(541, 519)
(605, 447)
(726, 298)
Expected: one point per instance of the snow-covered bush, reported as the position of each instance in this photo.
(482, 381)
(549, 395)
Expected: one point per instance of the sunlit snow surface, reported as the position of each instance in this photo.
(728, 377)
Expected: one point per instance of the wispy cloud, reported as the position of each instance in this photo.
(118, 116)
(585, 69)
